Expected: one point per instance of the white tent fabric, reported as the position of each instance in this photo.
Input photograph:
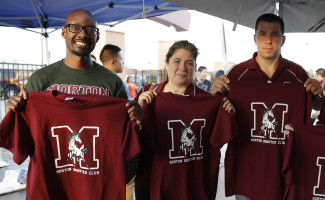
(178, 19)
(298, 15)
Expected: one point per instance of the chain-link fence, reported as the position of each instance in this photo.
(13, 77)
(143, 77)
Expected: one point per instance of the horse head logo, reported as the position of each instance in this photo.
(76, 153)
(188, 140)
(268, 123)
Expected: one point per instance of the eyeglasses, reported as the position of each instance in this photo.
(75, 28)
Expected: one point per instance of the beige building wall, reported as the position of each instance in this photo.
(163, 47)
(221, 66)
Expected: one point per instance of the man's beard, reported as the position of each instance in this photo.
(80, 53)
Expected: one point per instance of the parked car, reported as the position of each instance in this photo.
(12, 80)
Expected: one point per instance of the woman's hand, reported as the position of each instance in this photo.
(228, 106)
(147, 96)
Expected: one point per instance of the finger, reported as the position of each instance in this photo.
(15, 103)
(318, 90)
(230, 108)
(286, 133)
(148, 99)
(131, 109)
(131, 115)
(130, 103)
(9, 107)
(23, 93)
(220, 85)
(307, 82)
(137, 117)
(225, 78)
(308, 87)
(226, 103)
(289, 127)
(225, 82)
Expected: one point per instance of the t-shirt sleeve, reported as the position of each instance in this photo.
(225, 128)
(121, 90)
(35, 83)
(131, 143)
(15, 136)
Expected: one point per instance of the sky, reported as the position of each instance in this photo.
(142, 37)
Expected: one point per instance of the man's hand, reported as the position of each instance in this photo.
(135, 111)
(220, 85)
(313, 86)
(147, 96)
(17, 102)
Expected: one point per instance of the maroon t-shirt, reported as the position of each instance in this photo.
(304, 163)
(254, 159)
(142, 178)
(77, 145)
(185, 134)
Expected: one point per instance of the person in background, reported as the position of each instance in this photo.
(219, 73)
(132, 87)
(201, 80)
(111, 58)
(319, 76)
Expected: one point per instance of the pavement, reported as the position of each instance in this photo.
(7, 156)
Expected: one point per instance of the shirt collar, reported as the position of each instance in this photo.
(283, 63)
(190, 90)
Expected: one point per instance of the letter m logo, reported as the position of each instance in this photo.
(268, 121)
(75, 148)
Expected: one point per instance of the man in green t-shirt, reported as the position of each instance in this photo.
(76, 73)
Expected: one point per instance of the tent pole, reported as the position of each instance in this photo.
(281, 8)
(46, 35)
(224, 45)
(42, 45)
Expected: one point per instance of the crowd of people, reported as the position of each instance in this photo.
(92, 136)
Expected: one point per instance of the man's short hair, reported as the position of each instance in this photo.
(269, 17)
(201, 68)
(108, 52)
(321, 71)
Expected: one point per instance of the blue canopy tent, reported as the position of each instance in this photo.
(45, 14)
